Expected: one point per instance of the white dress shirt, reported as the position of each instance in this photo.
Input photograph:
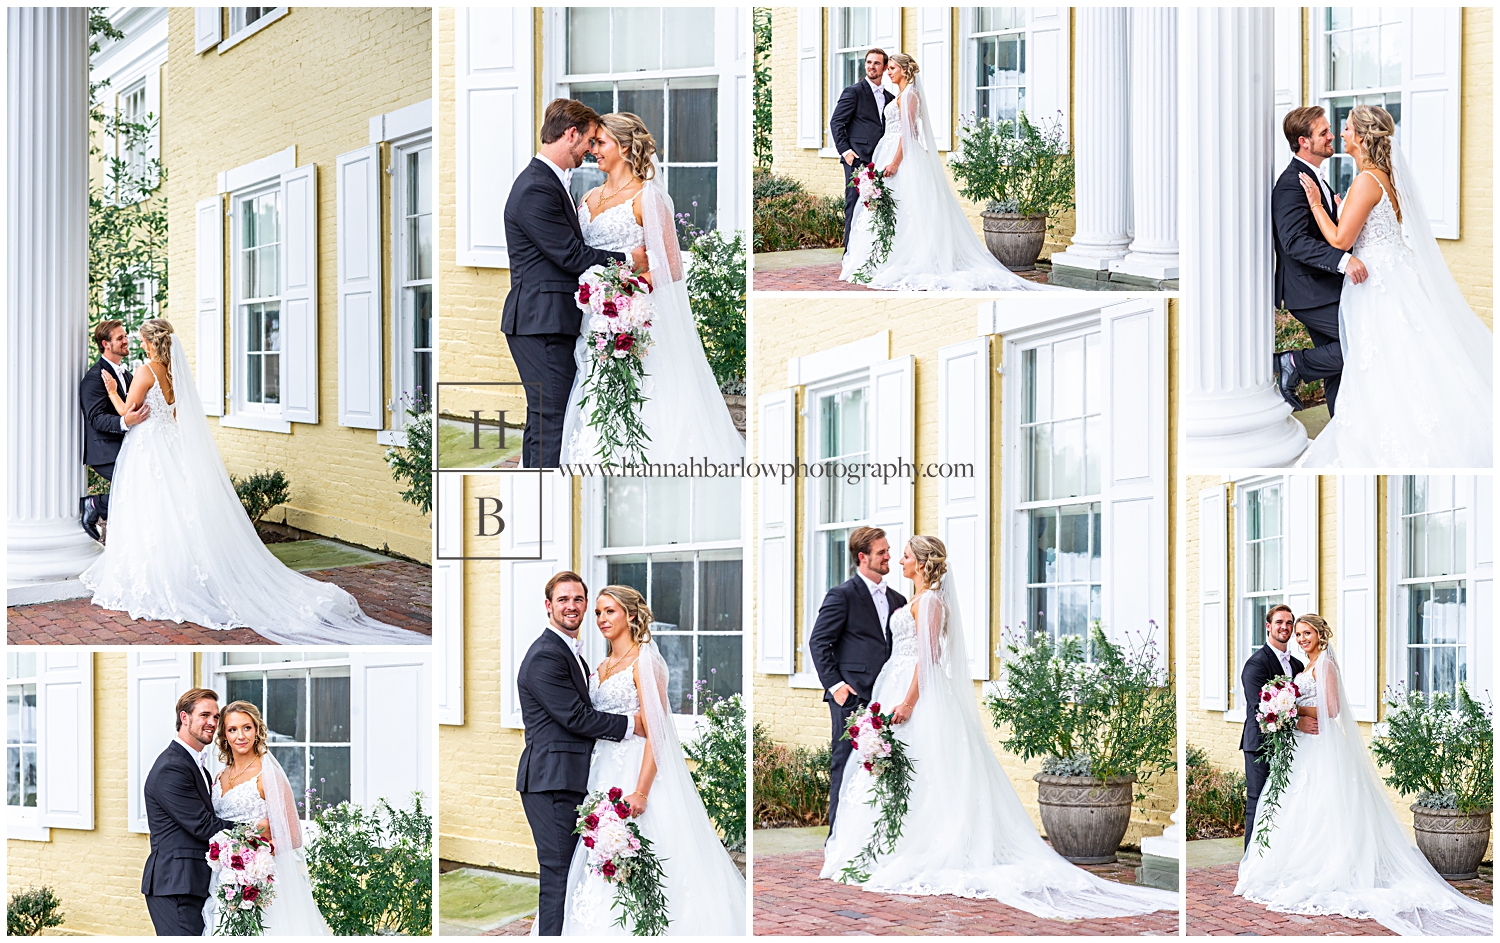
(876, 87)
(882, 609)
(576, 647)
(1284, 657)
(119, 372)
(562, 175)
(1327, 195)
(197, 755)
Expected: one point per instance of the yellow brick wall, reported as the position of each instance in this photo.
(796, 327)
(313, 79)
(1471, 257)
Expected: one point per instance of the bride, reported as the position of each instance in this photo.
(684, 413)
(1335, 845)
(965, 831)
(1407, 320)
(705, 892)
(934, 247)
(251, 787)
(181, 547)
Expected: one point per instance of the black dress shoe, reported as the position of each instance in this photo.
(1287, 379)
(90, 518)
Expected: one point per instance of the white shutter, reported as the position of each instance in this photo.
(65, 739)
(935, 52)
(1288, 44)
(734, 43)
(210, 305)
(809, 77)
(208, 28)
(1300, 578)
(964, 503)
(155, 680)
(1356, 615)
(361, 382)
(1048, 75)
(299, 294)
(887, 32)
(523, 583)
(1213, 601)
(390, 736)
(448, 600)
(1430, 118)
(494, 134)
(892, 427)
(1134, 348)
(153, 109)
(775, 533)
(1480, 612)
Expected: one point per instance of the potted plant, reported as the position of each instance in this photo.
(1440, 749)
(1102, 718)
(1022, 173)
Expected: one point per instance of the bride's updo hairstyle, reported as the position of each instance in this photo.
(930, 554)
(1376, 129)
(635, 140)
(158, 333)
(907, 64)
(637, 613)
(222, 738)
(1319, 625)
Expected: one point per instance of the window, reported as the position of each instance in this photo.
(1063, 440)
(677, 541)
(1433, 588)
(257, 239)
(1361, 52)
(658, 63)
(851, 42)
(413, 256)
(843, 501)
(21, 735)
(1261, 560)
(133, 111)
(304, 699)
(998, 35)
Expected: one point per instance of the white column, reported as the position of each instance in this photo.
(46, 300)
(1154, 137)
(1101, 140)
(1232, 415)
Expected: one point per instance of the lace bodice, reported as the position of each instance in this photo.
(1307, 689)
(243, 803)
(903, 629)
(615, 230)
(161, 410)
(1381, 230)
(617, 695)
(892, 118)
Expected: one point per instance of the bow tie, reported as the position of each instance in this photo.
(878, 588)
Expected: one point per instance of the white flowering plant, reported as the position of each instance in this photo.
(619, 853)
(246, 869)
(617, 308)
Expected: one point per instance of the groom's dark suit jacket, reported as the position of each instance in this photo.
(180, 815)
(102, 437)
(858, 123)
(847, 642)
(1307, 267)
(561, 722)
(1259, 668)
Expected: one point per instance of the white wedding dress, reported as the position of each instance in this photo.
(935, 247)
(684, 413)
(705, 892)
(293, 912)
(182, 549)
(965, 831)
(1417, 384)
(1336, 846)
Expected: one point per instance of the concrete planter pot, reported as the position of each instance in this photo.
(736, 404)
(1453, 841)
(1014, 239)
(1085, 818)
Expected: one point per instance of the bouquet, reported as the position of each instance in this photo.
(618, 307)
(881, 203)
(620, 854)
(247, 876)
(872, 735)
(1276, 713)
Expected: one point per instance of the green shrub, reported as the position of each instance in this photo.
(261, 491)
(767, 185)
(761, 122)
(372, 870)
(31, 911)
(788, 217)
(1291, 334)
(1439, 748)
(716, 291)
(719, 773)
(791, 783)
(1215, 799)
(1011, 167)
(412, 463)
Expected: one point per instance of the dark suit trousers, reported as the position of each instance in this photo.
(841, 749)
(851, 196)
(176, 914)
(101, 501)
(545, 362)
(552, 816)
(1257, 771)
(1325, 359)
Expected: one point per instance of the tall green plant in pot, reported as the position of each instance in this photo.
(1103, 721)
(1023, 175)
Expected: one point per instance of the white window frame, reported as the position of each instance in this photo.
(831, 51)
(403, 362)
(244, 412)
(1244, 598)
(1324, 96)
(969, 57)
(1399, 662)
(239, 31)
(20, 821)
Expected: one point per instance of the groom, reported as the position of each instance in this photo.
(1309, 272)
(561, 727)
(850, 642)
(541, 321)
(103, 428)
(180, 816)
(1270, 660)
(858, 123)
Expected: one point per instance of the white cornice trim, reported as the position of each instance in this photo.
(258, 171)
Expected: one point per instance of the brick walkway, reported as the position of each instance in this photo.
(791, 900)
(398, 593)
(826, 278)
(1213, 910)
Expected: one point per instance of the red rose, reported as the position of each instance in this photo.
(624, 342)
(588, 842)
(615, 793)
(583, 294)
(869, 768)
(591, 821)
(608, 869)
(854, 744)
(251, 892)
(1265, 695)
(609, 309)
(236, 862)
(875, 722)
(213, 851)
(875, 708)
(622, 810)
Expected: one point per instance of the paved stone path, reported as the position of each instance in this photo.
(397, 592)
(826, 278)
(790, 900)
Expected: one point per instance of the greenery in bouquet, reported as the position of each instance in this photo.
(1015, 166)
(872, 738)
(1439, 748)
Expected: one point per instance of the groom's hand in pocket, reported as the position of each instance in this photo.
(1307, 724)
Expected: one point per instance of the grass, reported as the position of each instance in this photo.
(1291, 334)
(321, 554)
(482, 900)
(1215, 798)
(791, 784)
(456, 444)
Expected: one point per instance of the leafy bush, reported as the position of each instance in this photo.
(1291, 334)
(31, 911)
(788, 217)
(1439, 748)
(791, 783)
(372, 870)
(716, 291)
(1215, 799)
(1015, 167)
(719, 774)
(761, 124)
(412, 463)
(767, 185)
(1114, 716)
(261, 491)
